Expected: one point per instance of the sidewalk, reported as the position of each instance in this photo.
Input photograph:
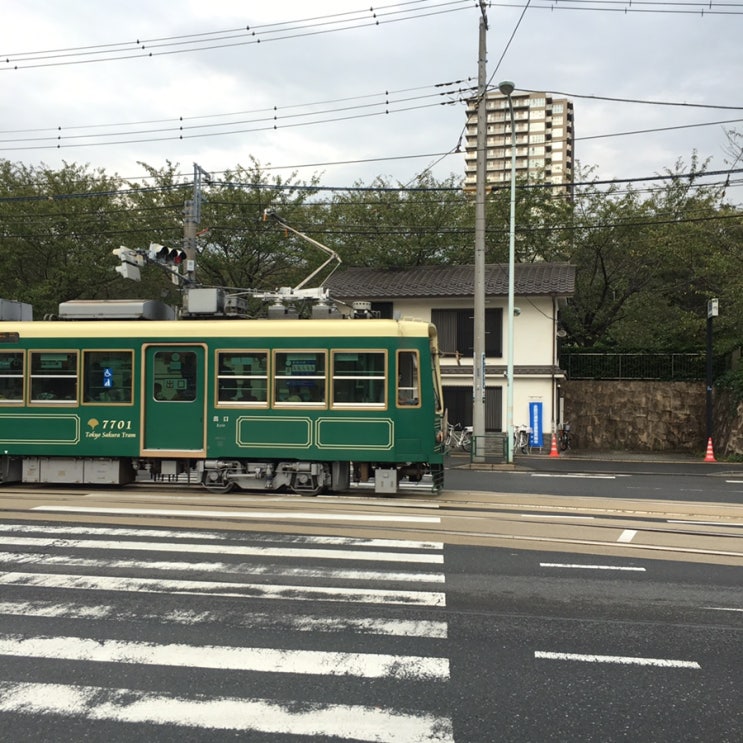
(624, 456)
(594, 459)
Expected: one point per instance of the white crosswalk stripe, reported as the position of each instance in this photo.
(369, 637)
(126, 705)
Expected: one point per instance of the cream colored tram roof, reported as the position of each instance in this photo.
(196, 330)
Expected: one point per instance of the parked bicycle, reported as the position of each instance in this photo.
(459, 437)
(564, 437)
(522, 439)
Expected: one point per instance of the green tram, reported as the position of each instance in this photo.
(305, 406)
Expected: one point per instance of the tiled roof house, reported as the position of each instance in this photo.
(444, 295)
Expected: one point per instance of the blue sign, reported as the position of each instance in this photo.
(535, 423)
(108, 377)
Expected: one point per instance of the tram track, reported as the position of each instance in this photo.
(664, 529)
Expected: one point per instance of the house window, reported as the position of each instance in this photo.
(456, 331)
(385, 310)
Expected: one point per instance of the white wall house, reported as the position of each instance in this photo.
(444, 296)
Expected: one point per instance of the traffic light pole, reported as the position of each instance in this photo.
(191, 218)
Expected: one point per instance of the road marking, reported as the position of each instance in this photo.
(220, 588)
(306, 720)
(120, 531)
(240, 568)
(294, 622)
(627, 535)
(193, 548)
(704, 523)
(627, 660)
(577, 475)
(552, 516)
(588, 567)
(261, 660)
(282, 515)
(722, 608)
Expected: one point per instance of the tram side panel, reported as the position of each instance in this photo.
(90, 409)
(68, 414)
(330, 401)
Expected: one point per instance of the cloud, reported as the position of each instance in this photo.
(309, 93)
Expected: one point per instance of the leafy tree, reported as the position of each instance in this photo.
(236, 248)
(241, 248)
(54, 227)
(542, 223)
(386, 226)
(647, 265)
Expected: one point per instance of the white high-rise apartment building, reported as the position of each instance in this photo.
(544, 140)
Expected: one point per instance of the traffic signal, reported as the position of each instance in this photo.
(176, 256)
(169, 256)
(130, 263)
(158, 253)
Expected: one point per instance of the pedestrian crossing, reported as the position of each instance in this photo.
(302, 637)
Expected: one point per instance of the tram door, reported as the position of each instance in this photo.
(174, 398)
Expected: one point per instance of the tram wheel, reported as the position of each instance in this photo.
(220, 488)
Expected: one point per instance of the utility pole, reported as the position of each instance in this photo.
(713, 310)
(478, 351)
(191, 218)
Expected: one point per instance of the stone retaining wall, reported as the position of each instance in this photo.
(650, 416)
(728, 425)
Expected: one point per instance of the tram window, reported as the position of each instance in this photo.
(175, 376)
(107, 376)
(359, 378)
(300, 377)
(54, 376)
(408, 378)
(242, 376)
(11, 376)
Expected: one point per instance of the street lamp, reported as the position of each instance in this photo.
(478, 349)
(506, 88)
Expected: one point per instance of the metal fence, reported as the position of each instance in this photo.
(656, 366)
(491, 446)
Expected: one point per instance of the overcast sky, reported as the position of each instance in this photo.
(357, 93)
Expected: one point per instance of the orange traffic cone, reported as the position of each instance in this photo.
(710, 455)
(553, 450)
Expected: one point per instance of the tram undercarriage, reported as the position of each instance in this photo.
(311, 478)
(224, 476)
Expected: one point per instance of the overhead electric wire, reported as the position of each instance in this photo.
(645, 102)
(367, 17)
(458, 94)
(182, 133)
(351, 231)
(274, 122)
(692, 176)
(630, 6)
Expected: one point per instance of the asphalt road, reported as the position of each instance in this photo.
(611, 475)
(554, 647)
(121, 633)
(365, 619)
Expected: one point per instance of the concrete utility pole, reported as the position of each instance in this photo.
(191, 218)
(713, 310)
(478, 352)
